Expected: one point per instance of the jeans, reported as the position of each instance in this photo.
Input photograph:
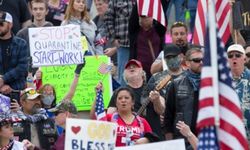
(122, 59)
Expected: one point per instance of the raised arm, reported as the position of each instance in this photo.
(74, 83)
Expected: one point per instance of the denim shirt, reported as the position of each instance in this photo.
(15, 74)
(242, 88)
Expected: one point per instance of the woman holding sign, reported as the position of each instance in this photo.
(77, 14)
(132, 129)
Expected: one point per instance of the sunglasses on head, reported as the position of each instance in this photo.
(236, 55)
(196, 60)
(178, 23)
(30, 92)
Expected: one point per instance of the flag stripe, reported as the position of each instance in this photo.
(227, 103)
(228, 141)
(231, 132)
(152, 8)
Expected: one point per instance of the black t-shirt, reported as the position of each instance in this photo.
(19, 11)
(137, 93)
(5, 53)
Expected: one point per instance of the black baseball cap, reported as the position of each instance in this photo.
(171, 50)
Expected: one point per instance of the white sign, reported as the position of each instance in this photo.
(166, 145)
(89, 135)
(50, 46)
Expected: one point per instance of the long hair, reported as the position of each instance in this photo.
(70, 12)
(41, 90)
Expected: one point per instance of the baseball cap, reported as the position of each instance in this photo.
(64, 106)
(237, 48)
(30, 94)
(134, 62)
(5, 17)
(171, 50)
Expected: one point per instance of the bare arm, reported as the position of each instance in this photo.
(74, 83)
(72, 89)
(186, 132)
(156, 67)
(92, 111)
(158, 102)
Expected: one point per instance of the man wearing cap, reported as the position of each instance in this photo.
(241, 81)
(173, 57)
(19, 11)
(64, 110)
(182, 96)
(13, 58)
(36, 126)
(135, 79)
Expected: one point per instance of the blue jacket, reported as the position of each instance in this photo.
(15, 74)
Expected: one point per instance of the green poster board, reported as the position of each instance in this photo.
(61, 78)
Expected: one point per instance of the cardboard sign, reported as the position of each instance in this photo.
(61, 78)
(89, 135)
(50, 46)
(166, 145)
(246, 13)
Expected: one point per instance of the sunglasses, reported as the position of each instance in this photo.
(248, 55)
(237, 55)
(196, 60)
(1, 24)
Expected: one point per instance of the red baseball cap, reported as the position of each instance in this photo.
(133, 62)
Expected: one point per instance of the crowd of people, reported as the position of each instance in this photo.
(158, 97)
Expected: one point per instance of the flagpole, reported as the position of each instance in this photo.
(214, 57)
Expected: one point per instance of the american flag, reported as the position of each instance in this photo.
(222, 10)
(152, 8)
(208, 138)
(231, 131)
(99, 107)
(104, 68)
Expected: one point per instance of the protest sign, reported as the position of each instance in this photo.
(246, 13)
(4, 103)
(166, 145)
(50, 46)
(89, 135)
(62, 76)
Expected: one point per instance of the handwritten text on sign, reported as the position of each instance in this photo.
(62, 76)
(55, 45)
(88, 135)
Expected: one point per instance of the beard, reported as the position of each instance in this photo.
(4, 32)
(36, 108)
